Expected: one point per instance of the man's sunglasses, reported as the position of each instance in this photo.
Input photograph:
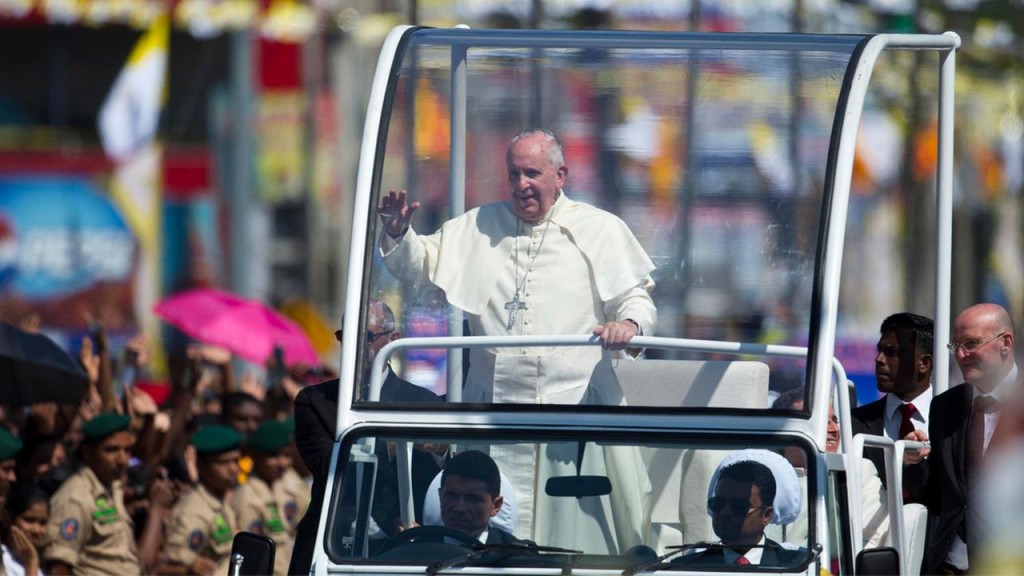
(738, 506)
(370, 336)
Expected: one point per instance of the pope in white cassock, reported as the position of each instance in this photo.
(541, 263)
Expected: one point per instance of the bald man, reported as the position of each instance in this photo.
(961, 424)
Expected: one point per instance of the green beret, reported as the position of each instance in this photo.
(10, 444)
(104, 425)
(289, 421)
(216, 438)
(269, 437)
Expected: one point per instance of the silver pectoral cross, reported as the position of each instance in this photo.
(514, 306)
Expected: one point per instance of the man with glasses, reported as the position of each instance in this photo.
(316, 411)
(741, 507)
(962, 423)
(903, 373)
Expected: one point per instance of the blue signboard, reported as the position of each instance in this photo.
(60, 235)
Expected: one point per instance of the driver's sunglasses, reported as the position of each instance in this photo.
(370, 336)
(738, 506)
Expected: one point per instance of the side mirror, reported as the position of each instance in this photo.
(880, 561)
(251, 555)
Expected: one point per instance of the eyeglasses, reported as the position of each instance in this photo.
(971, 345)
(370, 336)
(738, 506)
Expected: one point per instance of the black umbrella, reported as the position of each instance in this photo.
(34, 369)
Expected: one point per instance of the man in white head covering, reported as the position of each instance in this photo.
(750, 489)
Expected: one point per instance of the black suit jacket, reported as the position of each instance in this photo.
(316, 411)
(946, 493)
(773, 556)
(496, 535)
(870, 419)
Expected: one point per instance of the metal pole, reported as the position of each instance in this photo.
(457, 205)
(944, 220)
(241, 181)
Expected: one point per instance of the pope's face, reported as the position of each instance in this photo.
(534, 180)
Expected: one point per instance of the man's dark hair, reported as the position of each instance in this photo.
(232, 400)
(475, 465)
(749, 471)
(922, 327)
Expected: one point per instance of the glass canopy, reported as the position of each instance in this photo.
(714, 155)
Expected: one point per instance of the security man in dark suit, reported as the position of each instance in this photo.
(903, 372)
(316, 411)
(963, 421)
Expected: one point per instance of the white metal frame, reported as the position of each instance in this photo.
(823, 370)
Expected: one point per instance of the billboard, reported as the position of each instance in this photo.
(66, 254)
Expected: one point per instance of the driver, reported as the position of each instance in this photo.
(471, 495)
(741, 504)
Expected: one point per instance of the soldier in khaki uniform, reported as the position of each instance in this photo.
(202, 524)
(89, 530)
(297, 489)
(260, 503)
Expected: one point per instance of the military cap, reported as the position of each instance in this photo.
(104, 425)
(216, 438)
(10, 444)
(270, 436)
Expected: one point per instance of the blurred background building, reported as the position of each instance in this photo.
(243, 179)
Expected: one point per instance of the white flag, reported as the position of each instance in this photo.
(130, 115)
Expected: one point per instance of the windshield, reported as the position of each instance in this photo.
(676, 191)
(560, 500)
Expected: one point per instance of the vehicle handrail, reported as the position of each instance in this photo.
(681, 344)
(894, 472)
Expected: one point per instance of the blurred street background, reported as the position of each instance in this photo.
(244, 119)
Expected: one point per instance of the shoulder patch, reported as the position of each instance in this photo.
(69, 529)
(195, 540)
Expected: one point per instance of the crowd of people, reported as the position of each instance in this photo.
(121, 485)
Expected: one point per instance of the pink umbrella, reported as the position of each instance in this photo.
(246, 327)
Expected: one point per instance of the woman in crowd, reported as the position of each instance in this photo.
(24, 530)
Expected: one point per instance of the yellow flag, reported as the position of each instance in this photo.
(130, 115)
(128, 124)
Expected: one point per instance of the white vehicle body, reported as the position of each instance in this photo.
(442, 105)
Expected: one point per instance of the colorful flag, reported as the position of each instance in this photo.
(128, 125)
(130, 116)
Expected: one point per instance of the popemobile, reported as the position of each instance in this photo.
(598, 257)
